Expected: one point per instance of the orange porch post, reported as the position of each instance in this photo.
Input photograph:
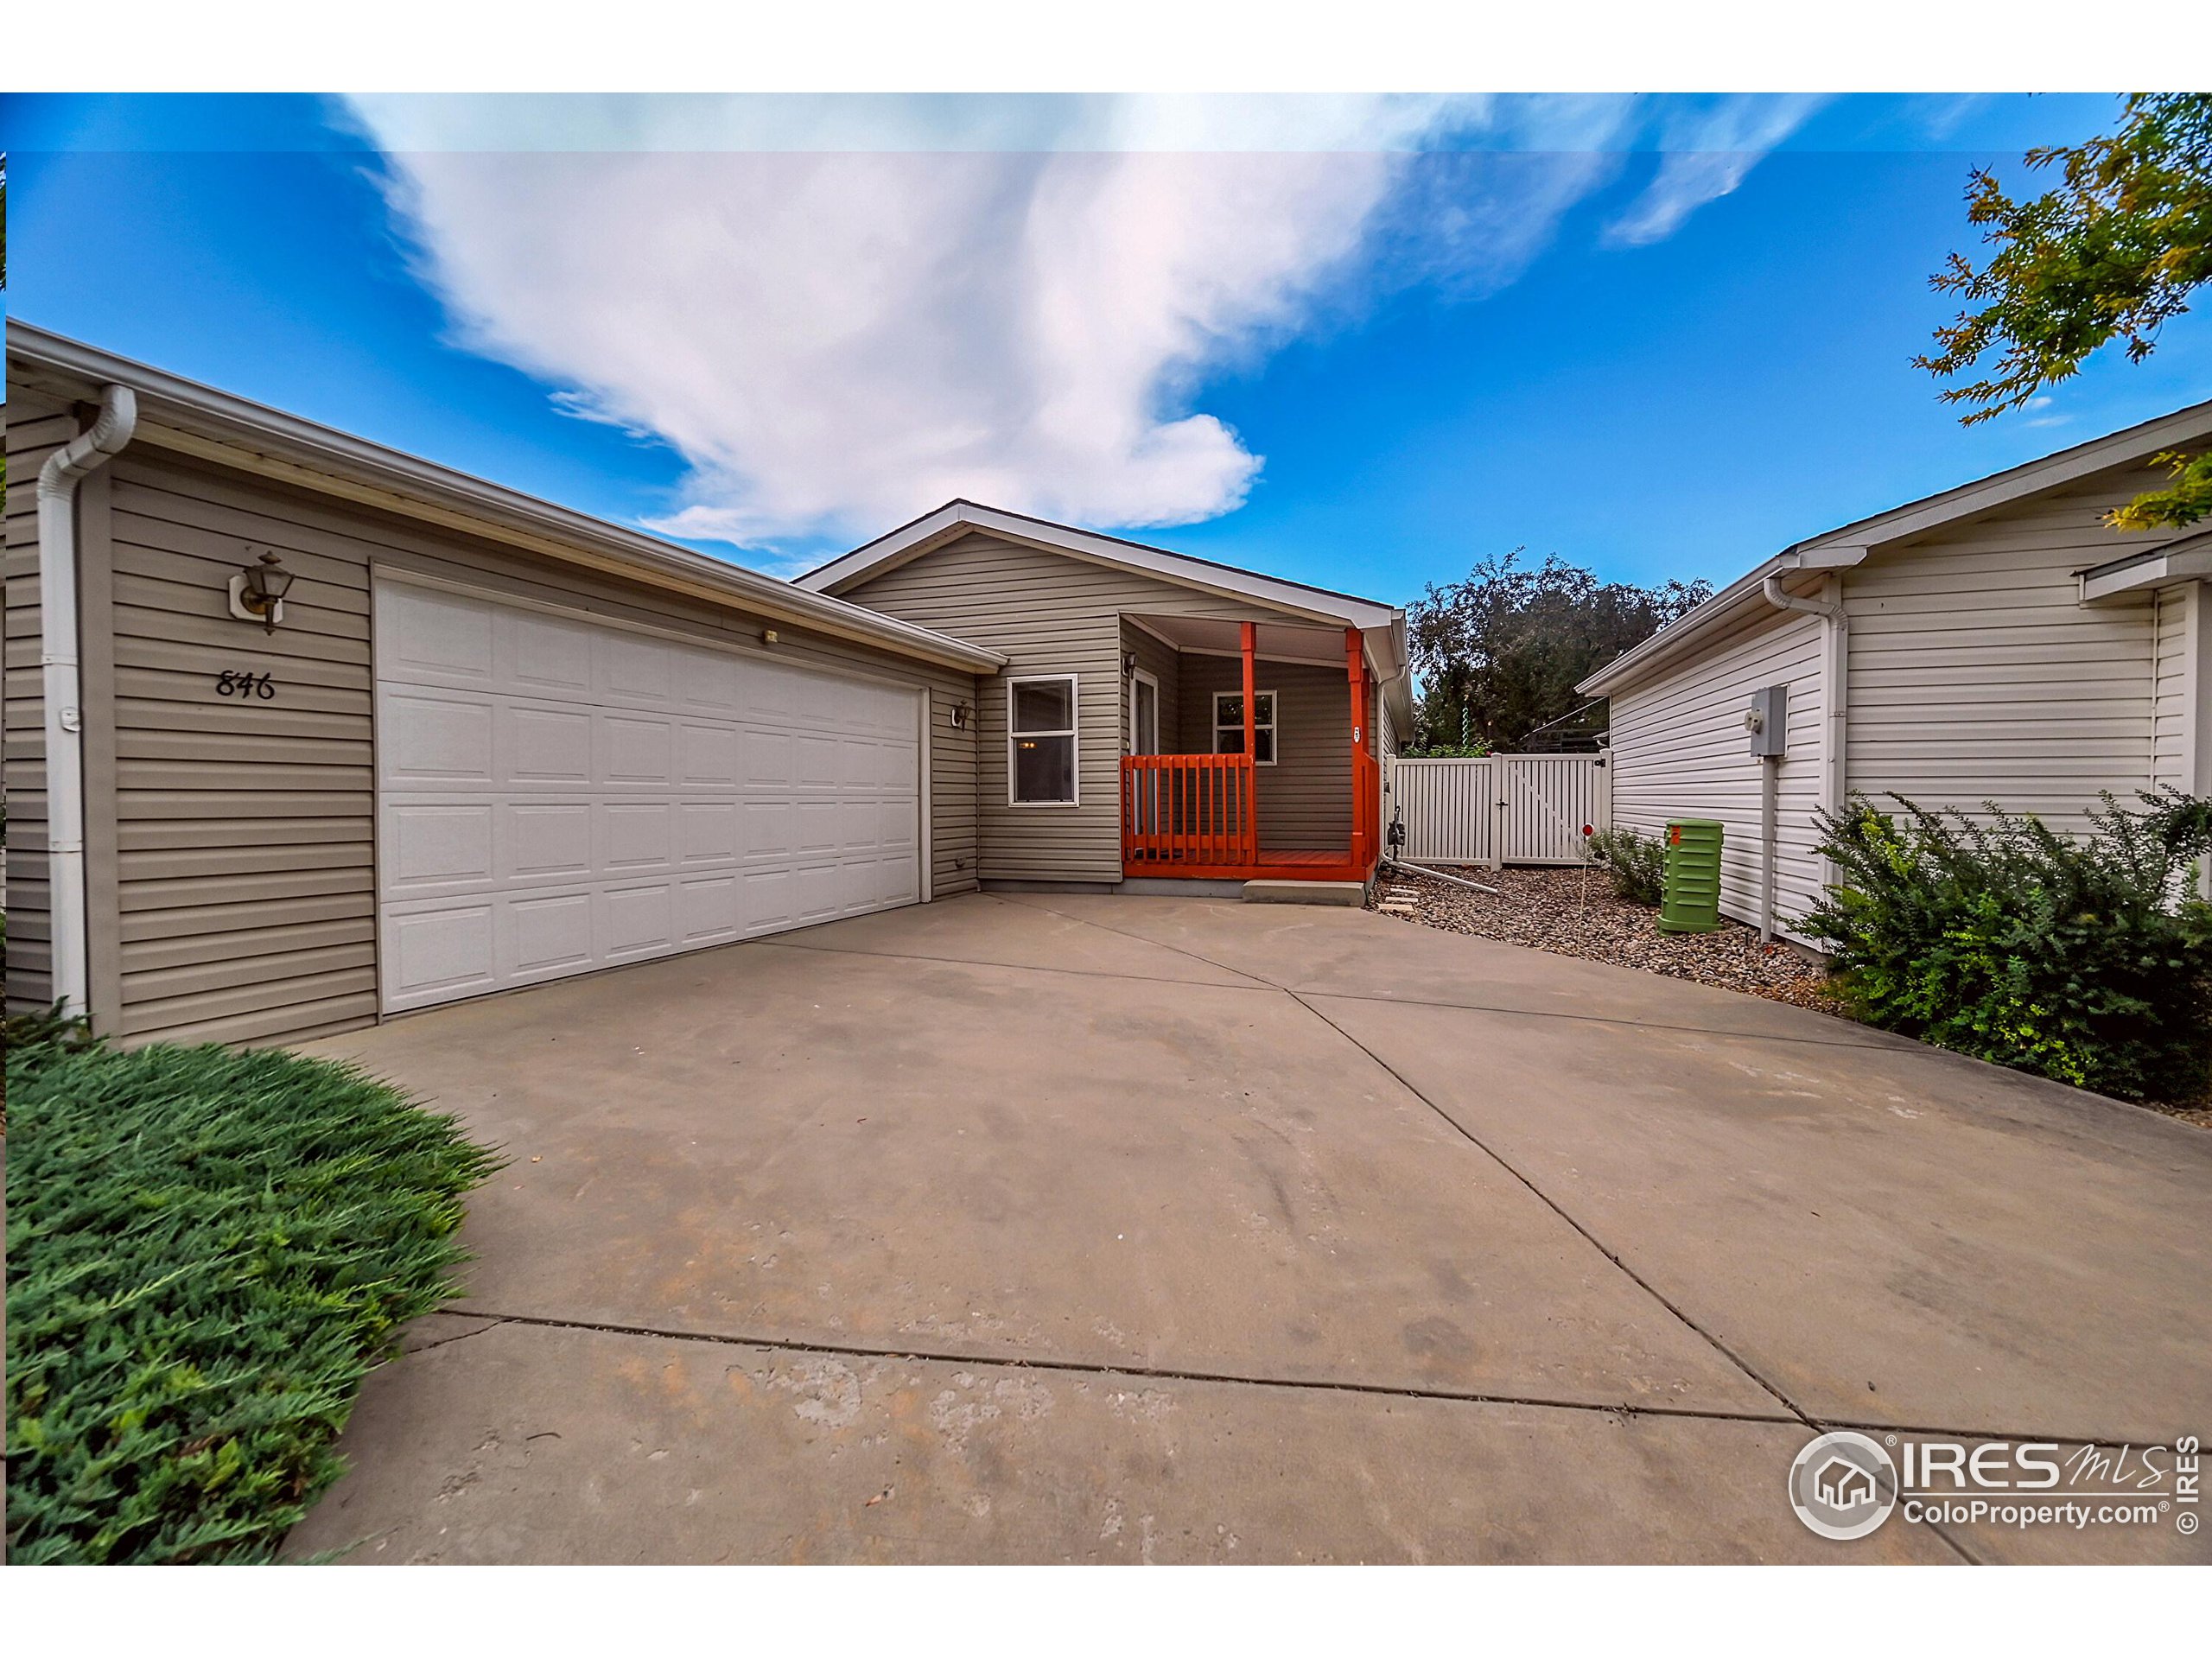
(1249, 812)
(1356, 674)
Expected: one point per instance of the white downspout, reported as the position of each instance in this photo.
(1835, 687)
(65, 717)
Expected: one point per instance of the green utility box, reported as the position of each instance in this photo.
(1692, 904)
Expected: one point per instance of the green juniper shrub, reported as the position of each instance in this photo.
(45, 1034)
(207, 1250)
(2084, 959)
(1637, 864)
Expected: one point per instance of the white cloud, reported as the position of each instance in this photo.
(1707, 151)
(842, 312)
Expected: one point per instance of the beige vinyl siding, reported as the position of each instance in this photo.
(2175, 734)
(1977, 675)
(1304, 798)
(36, 428)
(1047, 614)
(246, 891)
(1164, 663)
(245, 906)
(1679, 750)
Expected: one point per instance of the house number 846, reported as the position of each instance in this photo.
(233, 682)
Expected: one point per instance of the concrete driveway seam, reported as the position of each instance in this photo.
(1641, 1283)
(1542, 1196)
(1090, 1368)
(1011, 967)
(1864, 1037)
(1718, 1346)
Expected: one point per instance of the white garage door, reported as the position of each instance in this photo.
(556, 794)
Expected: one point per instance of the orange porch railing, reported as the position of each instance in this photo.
(1188, 810)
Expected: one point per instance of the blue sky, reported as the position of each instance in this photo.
(1662, 338)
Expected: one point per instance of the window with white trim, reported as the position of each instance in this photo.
(1040, 767)
(1229, 725)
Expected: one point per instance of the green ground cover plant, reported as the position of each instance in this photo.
(2087, 958)
(208, 1251)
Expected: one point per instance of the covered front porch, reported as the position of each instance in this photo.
(1250, 751)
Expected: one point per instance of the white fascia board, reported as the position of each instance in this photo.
(1851, 545)
(958, 517)
(2136, 443)
(1681, 637)
(2185, 561)
(189, 418)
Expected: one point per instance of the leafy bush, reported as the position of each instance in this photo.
(1637, 864)
(2081, 958)
(206, 1252)
(1475, 751)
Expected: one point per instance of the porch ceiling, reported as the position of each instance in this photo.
(1277, 641)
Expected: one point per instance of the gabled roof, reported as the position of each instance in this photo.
(958, 518)
(188, 418)
(1851, 545)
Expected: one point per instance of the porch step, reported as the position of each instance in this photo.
(1350, 893)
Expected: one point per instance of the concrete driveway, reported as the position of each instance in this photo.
(1041, 1228)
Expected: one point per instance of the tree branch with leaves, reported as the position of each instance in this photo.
(2113, 251)
(1499, 654)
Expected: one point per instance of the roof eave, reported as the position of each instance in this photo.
(958, 517)
(187, 417)
(2130, 444)
(2120, 580)
(1851, 545)
(1687, 631)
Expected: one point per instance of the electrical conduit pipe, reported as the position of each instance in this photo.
(1835, 630)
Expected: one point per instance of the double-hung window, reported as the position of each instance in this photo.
(1229, 725)
(1040, 741)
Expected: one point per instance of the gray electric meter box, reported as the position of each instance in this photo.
(1767, 720)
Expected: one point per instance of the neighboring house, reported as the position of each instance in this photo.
(1996, 642)
(489, 741)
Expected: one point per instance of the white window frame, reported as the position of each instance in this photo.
(1273, 728)
(1073, 734)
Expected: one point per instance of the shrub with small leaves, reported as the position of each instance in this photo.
(1637, 864)
(207, 1250)
(2087, 958)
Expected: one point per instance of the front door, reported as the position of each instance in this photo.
(1144, 713)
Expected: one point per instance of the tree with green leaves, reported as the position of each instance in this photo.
(1499, 654)
(2113, 252)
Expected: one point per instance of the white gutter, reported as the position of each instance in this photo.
(58, 479)
(188, 418)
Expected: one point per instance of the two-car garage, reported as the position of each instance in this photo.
(349, 733)
(557, 792)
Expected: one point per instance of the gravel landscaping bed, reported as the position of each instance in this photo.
(1574, 913)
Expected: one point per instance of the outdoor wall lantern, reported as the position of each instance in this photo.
(257, 592)
(959, 714)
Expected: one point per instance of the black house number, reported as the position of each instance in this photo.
(236, 683)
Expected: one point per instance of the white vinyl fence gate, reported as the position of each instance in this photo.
(1502, 809)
